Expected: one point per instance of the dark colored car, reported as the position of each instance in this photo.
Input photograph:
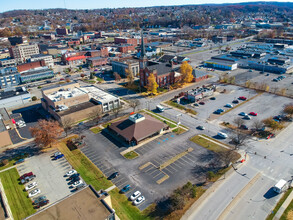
(19, 161)
(235, 101)
(27, 179)
(213, 98)
(113, 175)
(74, 176)
(202, 103)
(58, 156)
(39, 199)
(125, 188)
(244, 127)
(42, 203)
(75, 179)
(26, 175)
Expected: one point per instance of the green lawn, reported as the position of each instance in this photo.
(124, 208)
(207, 144)
(287, 210)
(279, 204)
(96, 130)
(20, 205)
(179, 130)
(181, 107)
(99, 79)
(131, 155)
(10, 164)
(88, 171)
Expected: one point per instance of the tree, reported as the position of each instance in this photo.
(92, 75)
(227, 157)
(82, 75)
(67, 124)
(271, 123)
(152, 85)
(134, 104)
(117, 77)
(288, 109)
(96, 114)
(239, 139)
(257, 125)
(116, 111)
(46, 133)
(248, 83)
(129, 76)
(238, 122)
(186, 72)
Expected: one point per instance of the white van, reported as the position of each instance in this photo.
(222, 135)
(281, 186)
(160, 108)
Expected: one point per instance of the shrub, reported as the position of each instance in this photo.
(210, 175)
(34, 98)
(4, 162)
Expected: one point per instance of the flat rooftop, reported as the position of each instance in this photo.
(77, 108)
(98, 94)
(65, 94)
(83, 205)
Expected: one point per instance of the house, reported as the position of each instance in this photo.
(199, 75)
(136, 128)
(75, 102)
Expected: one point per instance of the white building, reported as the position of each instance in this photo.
(47, 58)
(23, 51)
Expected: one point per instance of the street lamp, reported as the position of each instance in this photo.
(177, 116)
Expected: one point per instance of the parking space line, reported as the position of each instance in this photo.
(180, 162)
(176, 167)
(154, 177)
(186, 161)
(153, 171)
(186, 157)
(166, 170)
(155, 162)
(176, 164)
(118, 181)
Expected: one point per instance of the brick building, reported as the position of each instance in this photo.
(96, 61)
(24, 51)
(101, 52)
(126, 48)
(62, 31)
(32, 65)
(126, 40)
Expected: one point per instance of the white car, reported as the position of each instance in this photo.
(34, 192)
(222, 135)
(77, 183)
(229, 105)
(56, 153)
(135, 195)
(31, 186)
(138, 200)
(71, 172)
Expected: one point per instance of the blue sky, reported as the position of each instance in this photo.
(6, 5)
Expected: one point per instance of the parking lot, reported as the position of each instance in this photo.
(222, 98)
(265, 105)
(49, 175)
(143, 173)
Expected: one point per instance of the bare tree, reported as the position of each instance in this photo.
(67, 124)
(227, 157)
(239, 139)
(117, 77)
(96, 114)
(116, 111)
(257, 125)
(238, 122)
(134, 104)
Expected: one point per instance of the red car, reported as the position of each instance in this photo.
(26, 175)
(253, 113)
(201, 103)
(242, 98)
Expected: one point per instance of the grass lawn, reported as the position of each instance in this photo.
(88, 171)
(20, 205)
(10, 164)
(279, 204)
(96, 130)
(124, 208)
(131, 155)
(288, 213)
(179, 130)
(176, 105)
(99, 79)
(207, 144)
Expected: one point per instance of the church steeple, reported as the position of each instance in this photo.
(143, 57)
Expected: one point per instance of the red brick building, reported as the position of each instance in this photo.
(73, 42)
(126, 40)
(32, 65)
(76, 60)
(102, 52)
(126, 48)
(97, 61)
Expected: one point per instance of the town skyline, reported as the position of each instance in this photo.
(76, 5)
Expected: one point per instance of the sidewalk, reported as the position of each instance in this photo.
(283, 207)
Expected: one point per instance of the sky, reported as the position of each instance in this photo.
(7, 5)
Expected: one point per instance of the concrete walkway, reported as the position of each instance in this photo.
(110, 188)
(7, 168)
(5, 201)
(283, 207)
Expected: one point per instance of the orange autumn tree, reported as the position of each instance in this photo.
(152, 85)
(186, 72)
(46, 133)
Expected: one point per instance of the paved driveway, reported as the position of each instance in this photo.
(49, 175)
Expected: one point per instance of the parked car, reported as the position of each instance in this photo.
(213, 98)
(244, 127)
(200, 127)
(125, 189)
(39, 199)
(247, 117)
(222, 135)
(242, 98)
(56, 154)
(253, 113)
(267, 74)
(31, 186)
(71, 172)
(135, 195)
(275, 80)
(74, 180)
(202, 103)
(220, 110)
(74, 176)
(26, 175)
(59, 156)
(242, 114)
(249, 70)
(113, 175)
(27, 179)
(139, 200)
(42, 203)
(229, 105)
(235, 101)
(34, 193)
(19, 161)
(76, 183)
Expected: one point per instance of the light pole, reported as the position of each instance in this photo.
(177, 116)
